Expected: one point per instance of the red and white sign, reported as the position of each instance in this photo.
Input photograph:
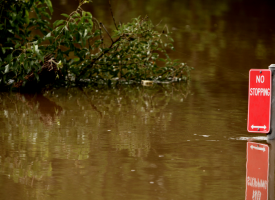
(257, 171)
(259, 101)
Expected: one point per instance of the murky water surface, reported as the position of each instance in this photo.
(169, 141)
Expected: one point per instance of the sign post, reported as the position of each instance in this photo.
(271, 134)
(257, 166)
(259, 101)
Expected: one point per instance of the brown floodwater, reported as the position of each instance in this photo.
(168, 141)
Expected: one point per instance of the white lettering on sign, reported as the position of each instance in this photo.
(259, 92)
(258, 183)
(256, 195)
(260, 79)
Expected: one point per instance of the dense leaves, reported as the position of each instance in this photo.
(20, 52)
(133, 52)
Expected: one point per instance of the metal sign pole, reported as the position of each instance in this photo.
(271, 134)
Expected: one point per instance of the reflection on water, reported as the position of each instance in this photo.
(257, 138)
(260, 160)
(182, 141)
(257, 173)
(77, 124)
(129, 142)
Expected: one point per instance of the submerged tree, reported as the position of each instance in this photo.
(74, 50)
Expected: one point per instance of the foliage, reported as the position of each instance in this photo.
(20, 53)
(135, 52)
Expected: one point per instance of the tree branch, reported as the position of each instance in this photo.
(112, 14)
(84, 70)
(106, 31)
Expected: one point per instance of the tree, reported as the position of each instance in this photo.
(74, 51)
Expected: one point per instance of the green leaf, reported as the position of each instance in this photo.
(84, 42)
(49, 4)
(17, 45)
(13, 15)
(89, 14)
(76, 15)
(91, 22)
(171, 39)
(21, 58)
(7, 68)
(11, 22)
(97, 33)
(48, 35)
(66, 32)
(9, 58)
(58, 29)
(72, 26)
(65, 15)
(27, 19)
(81, 22)
(36, 50)
(85, 33)
(58, 22)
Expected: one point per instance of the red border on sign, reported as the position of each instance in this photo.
(268, 130)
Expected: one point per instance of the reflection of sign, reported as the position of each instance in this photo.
(259, 101)
(257, 171)
(257, 148)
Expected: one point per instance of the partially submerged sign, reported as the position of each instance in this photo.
(259, 101)
(257, 166)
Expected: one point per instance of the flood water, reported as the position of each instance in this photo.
(168, 141)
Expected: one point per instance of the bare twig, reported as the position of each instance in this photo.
(106, 31)
(100, 29)
(159, 22)
(165, 26)
(112, 14)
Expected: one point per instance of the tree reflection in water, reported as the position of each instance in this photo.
(76, 124)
